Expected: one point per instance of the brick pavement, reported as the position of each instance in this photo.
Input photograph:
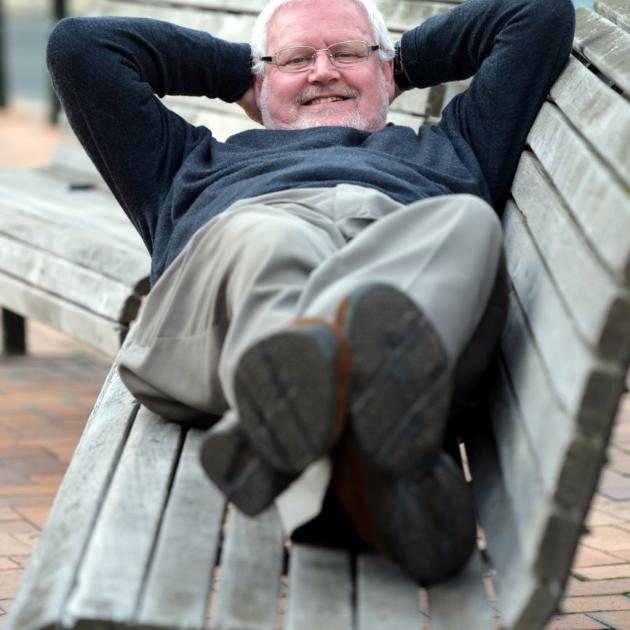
(46, 397)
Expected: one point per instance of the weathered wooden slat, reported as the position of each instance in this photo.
(110, 579)
(599, 306)
(32, 303)
(179, 578)
(396, 13)
(316, 576)
(92, 251)
(604, 44)
(251, 566)
(52, 569)
(596, 198)
(523, 601)
(75, 284)
(85, 209)
(12, 333)
(617, 11)
(569, 363)
(472, 610)
(386, 596)
(598, 113)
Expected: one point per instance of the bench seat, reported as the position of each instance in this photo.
(137, 537)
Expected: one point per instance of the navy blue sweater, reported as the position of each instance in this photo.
(171, 177)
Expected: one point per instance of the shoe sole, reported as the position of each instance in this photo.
(400, 385)
(427, 520)
(291, 392)
(238, 471)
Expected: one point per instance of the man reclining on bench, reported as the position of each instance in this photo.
(332, 287)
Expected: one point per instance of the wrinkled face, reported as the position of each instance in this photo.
(323, 95)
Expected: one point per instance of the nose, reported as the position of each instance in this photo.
(322, 69)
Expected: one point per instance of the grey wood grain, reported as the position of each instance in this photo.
(68, 281)
(110, 579)
(606, 45)
(179, 578)
(84, 209)
(251, 566)
(461, 602)
(570, 364)
(598, 305)
(524, 602)
(28, 301)
(92, 251)
(51, 572)
(386, 596)
(617, 11)
(320, 589)
(12, 333)
(598, 202)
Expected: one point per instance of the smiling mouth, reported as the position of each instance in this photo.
(325, 100)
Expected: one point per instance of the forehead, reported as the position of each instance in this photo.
(317, 22)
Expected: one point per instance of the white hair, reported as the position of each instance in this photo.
(260, 33)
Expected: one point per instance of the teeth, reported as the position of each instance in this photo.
(330, 99)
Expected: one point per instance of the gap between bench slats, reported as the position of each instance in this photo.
(98, 332)
(91, 251)
(180, 574)
(114, 565)
(606, 45)
(598, 113)
(251, 567)
(51, 571)
(68, 281)
(617, 11)
(598, 305)
(597, 200)
(524, 603)
(87, 210)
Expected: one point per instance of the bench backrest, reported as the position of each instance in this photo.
(534, 464)
(566, 346)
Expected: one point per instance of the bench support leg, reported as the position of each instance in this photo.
(12, 333)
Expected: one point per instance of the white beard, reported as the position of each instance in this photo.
(323, 118)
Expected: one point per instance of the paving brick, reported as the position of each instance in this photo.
(589, 557)
(574, 622)
(8, 563)
(614, 485)
(36, 514)
(597, 587)
(9, 582)
(619, 460)
(607, 572)
(17, 527)
(619, 620)
(8, 514)
(607, 538)
(594, 603)
(10, 545)
(597, 518)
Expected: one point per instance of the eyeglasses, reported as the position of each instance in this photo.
(341, 55)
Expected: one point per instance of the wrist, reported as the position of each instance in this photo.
(400, 75)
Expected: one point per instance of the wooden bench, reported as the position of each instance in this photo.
(137, 538)
(68, 255)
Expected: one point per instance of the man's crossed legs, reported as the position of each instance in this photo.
(332, 322)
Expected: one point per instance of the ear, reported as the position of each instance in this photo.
(388, 71)
(258, 79)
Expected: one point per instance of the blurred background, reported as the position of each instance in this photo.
(24, 26)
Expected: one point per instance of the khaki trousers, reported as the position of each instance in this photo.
(268, 260)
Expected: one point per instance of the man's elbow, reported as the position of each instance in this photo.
(67, 45)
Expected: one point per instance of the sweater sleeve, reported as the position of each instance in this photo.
(108, 73)
(515, 49)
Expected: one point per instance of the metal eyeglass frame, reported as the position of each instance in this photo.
(272, 59)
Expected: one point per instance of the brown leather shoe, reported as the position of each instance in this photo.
(291, 390)
(400, 384)
(422, 519)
